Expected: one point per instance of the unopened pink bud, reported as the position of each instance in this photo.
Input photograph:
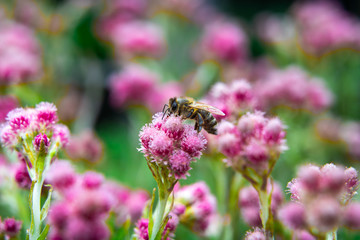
(41, 140)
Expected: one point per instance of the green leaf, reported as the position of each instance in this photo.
(151, 221)
(44, 233)
(45, 208)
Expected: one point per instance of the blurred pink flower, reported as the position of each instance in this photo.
(225, 42)
(10, 227)
(292, 87)
(138, 38)
(7, 103)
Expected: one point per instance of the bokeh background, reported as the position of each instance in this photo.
(84, 60)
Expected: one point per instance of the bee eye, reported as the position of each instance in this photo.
(173, 106)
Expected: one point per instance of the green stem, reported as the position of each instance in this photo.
(35, 228)
(265, 212)
(331, 235)
(159, 213)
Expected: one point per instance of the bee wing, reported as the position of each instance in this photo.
(204, 106)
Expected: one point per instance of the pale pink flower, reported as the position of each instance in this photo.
(11, 227)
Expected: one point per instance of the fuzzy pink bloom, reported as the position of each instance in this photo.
(19, 54)
(136, 203)
(325, 214)
(310, 177)
(61, 134)
(59, 214)
(92, 180)
(256, 234)
(139, 38)
(304, 235)
(86, 147)
(22, 177)
(11, 227)
(19, 120)
(224, 41)
(180, 163)
(292, 87)
(229, 144)
(141, 229)
(8, 137)
(61, 175)
(256, 153)
(133, 85)
(41, 140)
(7, 103)
(45, 114)
(351, 179)
(251, 216)
(79, 229)
(293, 216)
(352, 216)
(274, 131)
(170, 142)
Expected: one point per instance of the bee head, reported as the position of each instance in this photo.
(173, 105)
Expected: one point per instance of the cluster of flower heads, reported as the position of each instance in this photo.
(83, 203)
(20, 56)
(292, 87)
(324, 26)
(321, 200)
(85, 147)
(225, 42)
(194, 207)
(171, 144)
(232, 98)
(250, 206)
(137, 85)
(255, 141)
(37, 125)
(9, 228)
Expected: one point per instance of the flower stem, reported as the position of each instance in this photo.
(331, 235)
(35, 228)
(159, 213)
(265, 212)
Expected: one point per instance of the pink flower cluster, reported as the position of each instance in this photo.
(172, 144)
(118, 12)
(292, 87)
(39, 123)
(138, 38)
(233, 98)
(255, 234)
(324, 26)
(10, 228)
(255, 141)
(322, 199)
(142, 228)
(137, 85)
(20, 57)
(84, 202)
(85, 147)
(250, 206)
(225, 42)
(7, 103)
(196, 208)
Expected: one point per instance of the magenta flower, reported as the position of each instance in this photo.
(256, 234)
(11, 227)
(138, 38)
(225, 42)
(322, 198)
(196, 208)
(292, 87)
(85, 147)
(171, 144)
(41, 141)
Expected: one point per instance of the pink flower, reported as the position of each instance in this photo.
(352, 216)
(61, 175)
(45, 114)
(85, 146)
(61, 134)
(293, 216)
(256, 234)
(161, 146)
(141, 229)
(22, 177)
(173, 127)
(59, 214)
(11, 227)
(82, 230)
(7, 103)
(325, 214)
(41, 141)
(224, 41)
(19, 120)
(92, 180)
(256, 153)
(180, 163)
(193, 145)
(138, 38)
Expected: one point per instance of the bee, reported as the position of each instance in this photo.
(188, 108)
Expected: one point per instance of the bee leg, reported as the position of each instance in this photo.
(190, 113)
(200, 122)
